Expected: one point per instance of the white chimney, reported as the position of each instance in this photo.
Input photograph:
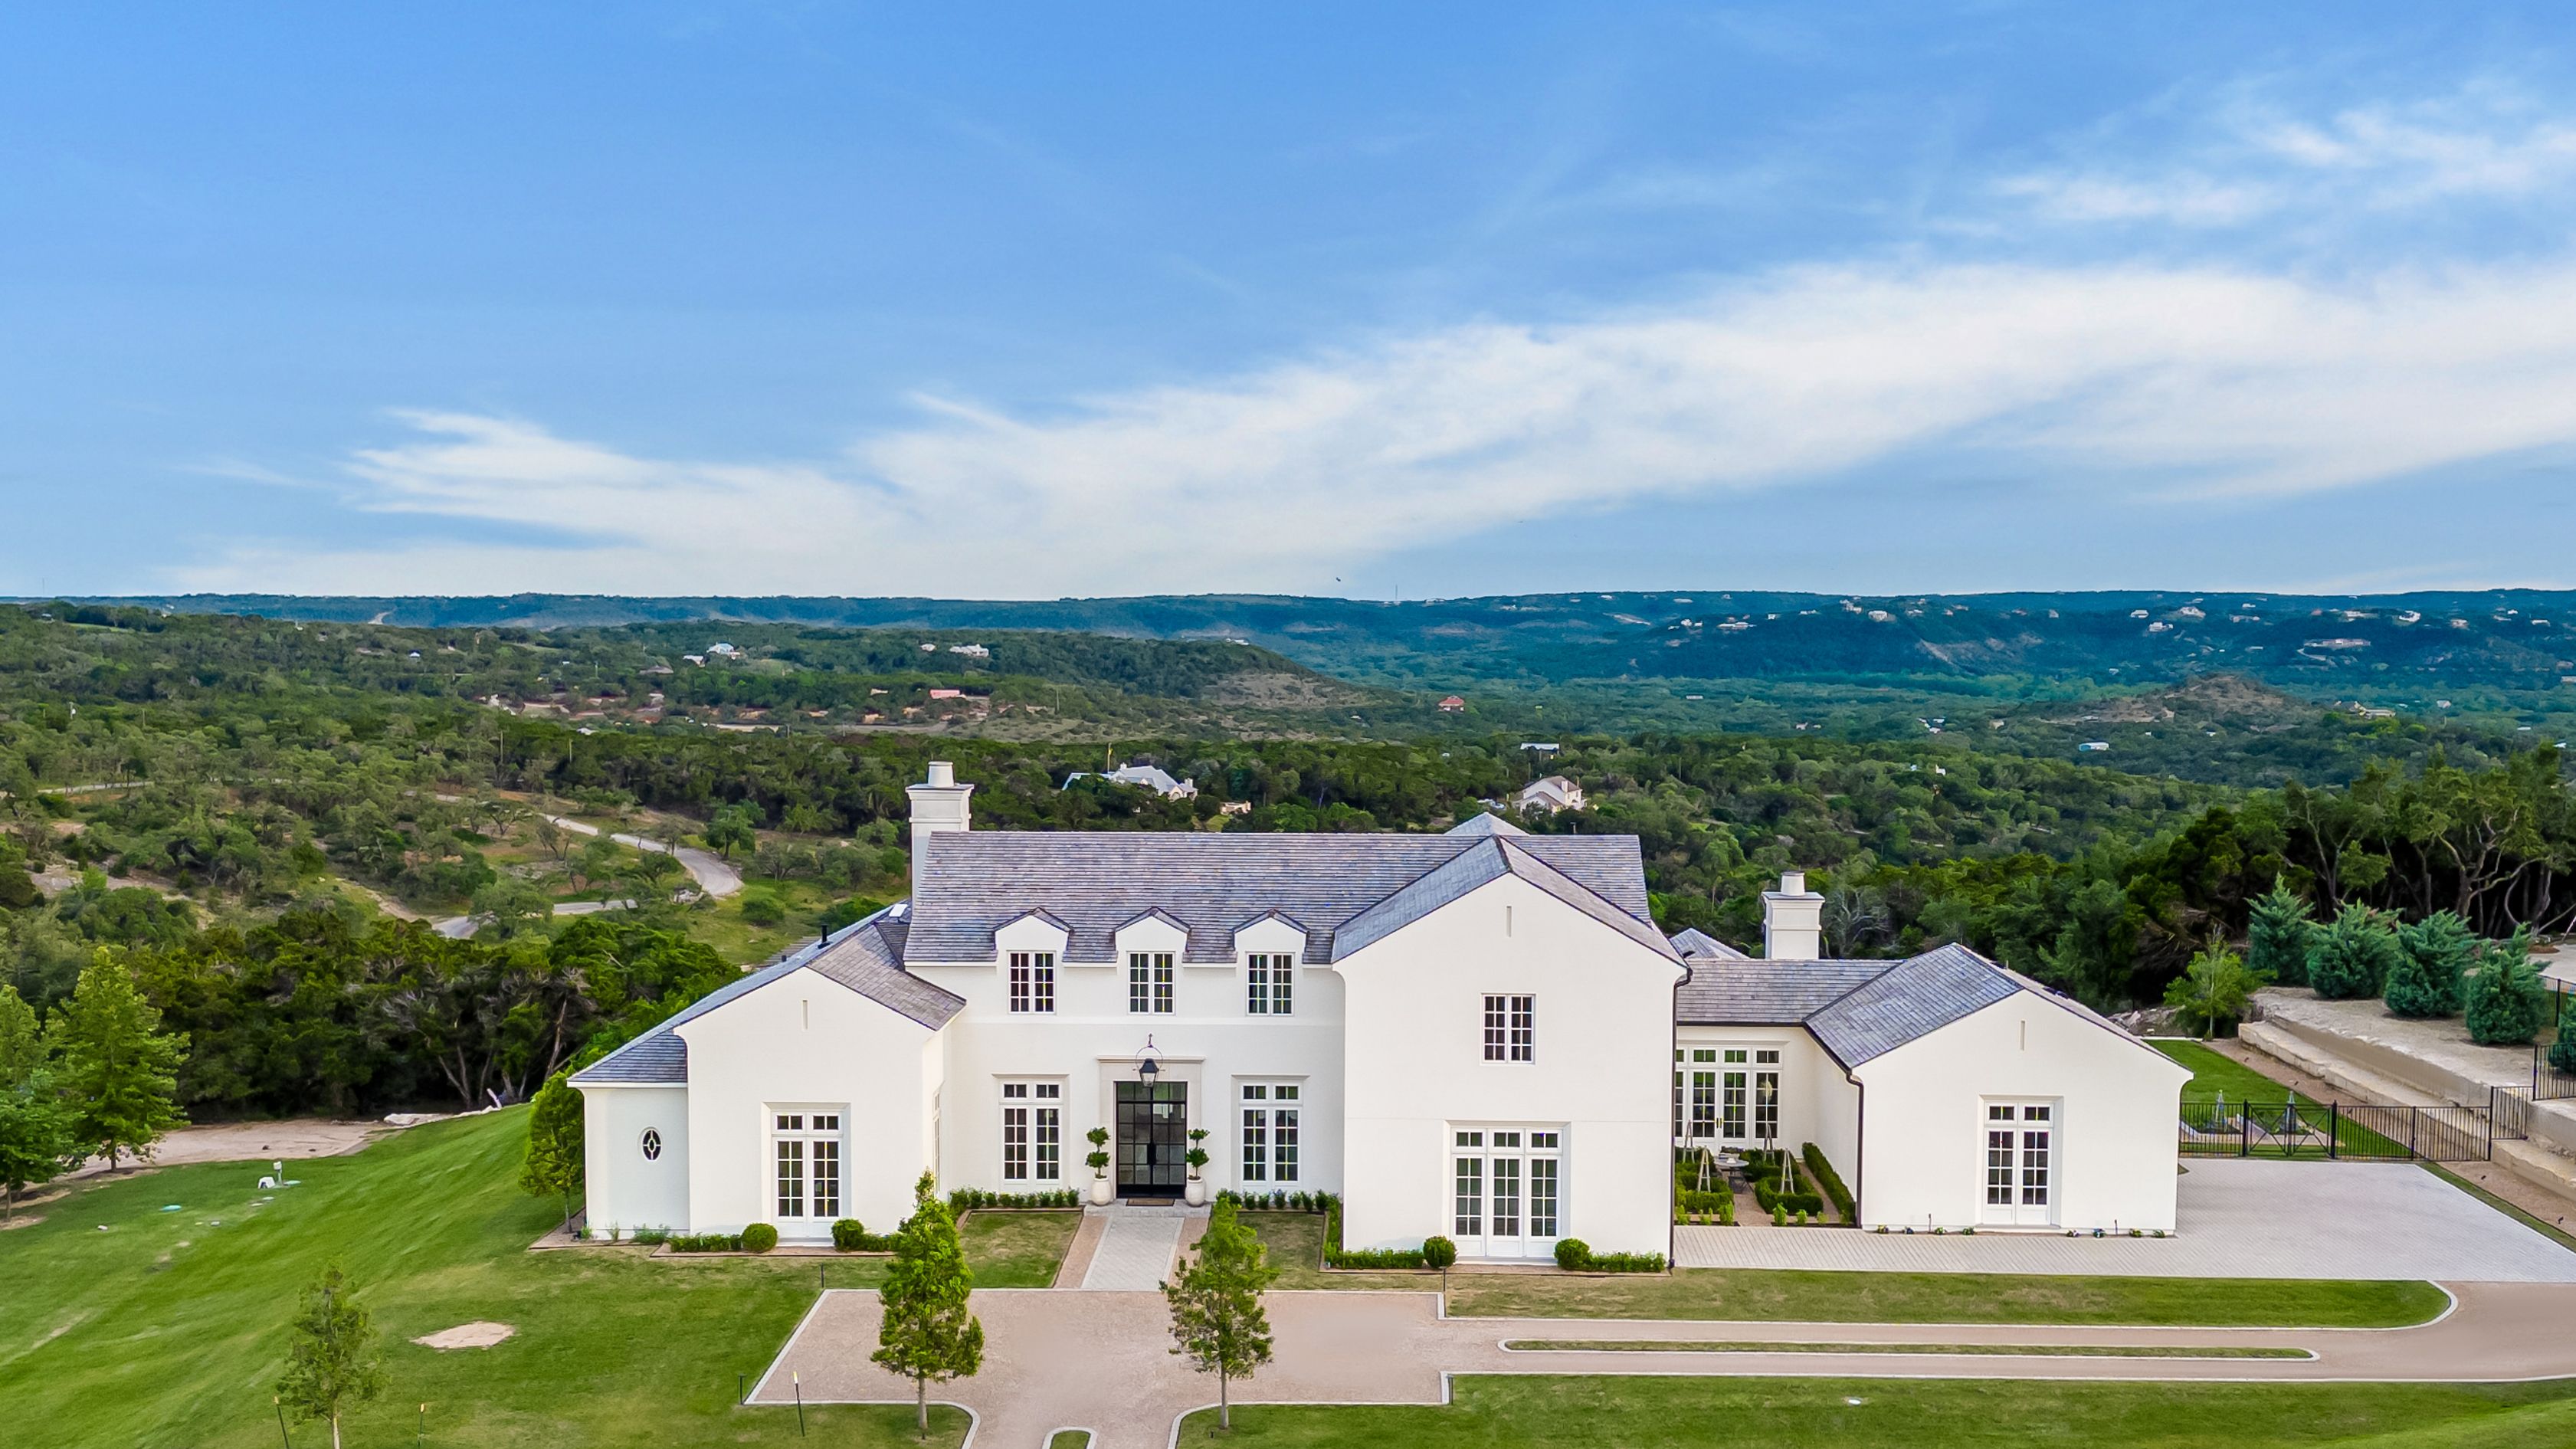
(1793, 920)
(938, 804)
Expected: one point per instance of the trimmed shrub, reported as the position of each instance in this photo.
(2350, 959)
(759, 1238)
(964, 1200)
(2425, 980)
(1438, 1252)
(2276, 941)
(1573, 1254)
(851, 1236)
(1831, 1181)
(1576, 1256)
(2505, 1003)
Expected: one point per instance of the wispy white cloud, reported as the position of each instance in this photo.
(2163, 382)
(2251, 158)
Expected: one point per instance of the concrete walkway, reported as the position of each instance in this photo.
(1134, 1254)
(2240, 1218)
(1101, 1361)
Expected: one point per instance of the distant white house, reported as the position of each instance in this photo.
(722, 650)
(1151, 777)
(971, 651)
(1555, 792)
(1463, 1034)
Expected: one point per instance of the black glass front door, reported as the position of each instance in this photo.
(1153, 1133)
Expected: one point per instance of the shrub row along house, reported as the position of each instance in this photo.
(1480, 1034)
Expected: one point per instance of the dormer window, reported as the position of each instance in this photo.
(1149, 982)
(1268, 988)
(1032, 981)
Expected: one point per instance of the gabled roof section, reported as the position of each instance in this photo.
(2069, 1004)
(1741, 992)
(1486, 824)
(972, 881)
(1050, 917)
(1913, 999)
(1492, 858)
(1156, 914)
(1695, 944)
(1280, 917)
(865, 957)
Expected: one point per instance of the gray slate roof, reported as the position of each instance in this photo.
(865, 957)
(1856, 1010)
(1694, 943)
(1489, 859)
(973, 882)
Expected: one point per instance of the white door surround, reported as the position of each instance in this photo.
(2021, 1153)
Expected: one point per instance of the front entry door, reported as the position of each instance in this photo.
(1153, 1138)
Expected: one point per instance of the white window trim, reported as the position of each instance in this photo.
(1285, 980)
(1035, 1095)
(1270, 1106)
(804, 1222)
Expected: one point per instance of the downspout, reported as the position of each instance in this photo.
(1672, 1181)
(1860, 1147)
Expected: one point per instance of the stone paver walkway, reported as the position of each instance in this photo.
(1135, 1253)
(2240, 1218)
(1101, 1361)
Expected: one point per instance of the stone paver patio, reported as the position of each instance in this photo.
(1134, 1254)
(2240, 1218)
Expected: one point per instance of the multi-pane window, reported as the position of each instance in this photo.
(1734, 1100)
(1149, 982)
(1032, 1131)
(806, 1158)
(1266, 978)
(1468, 1217)
(1542, 1186)
(1999, 1156)
(1511, 1028)
(1270, 1131)
(2034, 1157)
(1703, 1093)
(1766, 1095)
(1507, 1186)
(1032, 981)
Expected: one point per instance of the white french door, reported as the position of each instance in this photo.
(2021, 1164)
(1507, 1191)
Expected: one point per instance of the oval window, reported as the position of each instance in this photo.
(652, 1143)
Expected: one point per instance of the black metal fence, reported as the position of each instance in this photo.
(2349, 1132)
(2548, 1083)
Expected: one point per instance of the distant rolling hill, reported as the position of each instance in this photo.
(2403, 649)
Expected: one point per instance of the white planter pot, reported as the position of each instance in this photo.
(1195, 1194)
(1103, 1193)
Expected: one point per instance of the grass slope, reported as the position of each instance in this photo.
(1648, 1413)
(167, 1329)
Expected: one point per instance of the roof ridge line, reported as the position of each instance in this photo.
(1504, 843)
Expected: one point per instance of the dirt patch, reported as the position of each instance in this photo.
(479, 1334)
(250, 1142)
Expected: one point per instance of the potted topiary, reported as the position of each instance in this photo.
(1101, 1190)
(1194, 1192)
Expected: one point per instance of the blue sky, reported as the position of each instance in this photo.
(1368, 299)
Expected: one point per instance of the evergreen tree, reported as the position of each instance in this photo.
(2212, 992)
(2351, 956)
(2424, 980)
(22, 1047)
(928, 1334)
(36, 1143)
(554, 1162)
(2277, 938)
(2504, 994)
(332, 1357)
(117, 1066)
(1218, 1323)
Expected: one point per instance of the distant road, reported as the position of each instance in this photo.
(711, 873)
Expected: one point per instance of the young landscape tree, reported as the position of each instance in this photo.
(2504, 994)
(22, 1046)
(116, 1065)
(1218, 1323)
(2212, 991)
(36, 1143)
(2424, 980)
(2352, 955)
(2277, 937)
(554, 1162)
(332, 1357)
(928, 1335)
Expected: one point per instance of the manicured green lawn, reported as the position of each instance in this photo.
(1702, 1413)
(1017, 1249)
(166, 1329)
(2213, 1073)
(1814, 1297)
(1295, 1241)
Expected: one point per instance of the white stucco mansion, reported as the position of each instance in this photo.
(1480, 1033)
